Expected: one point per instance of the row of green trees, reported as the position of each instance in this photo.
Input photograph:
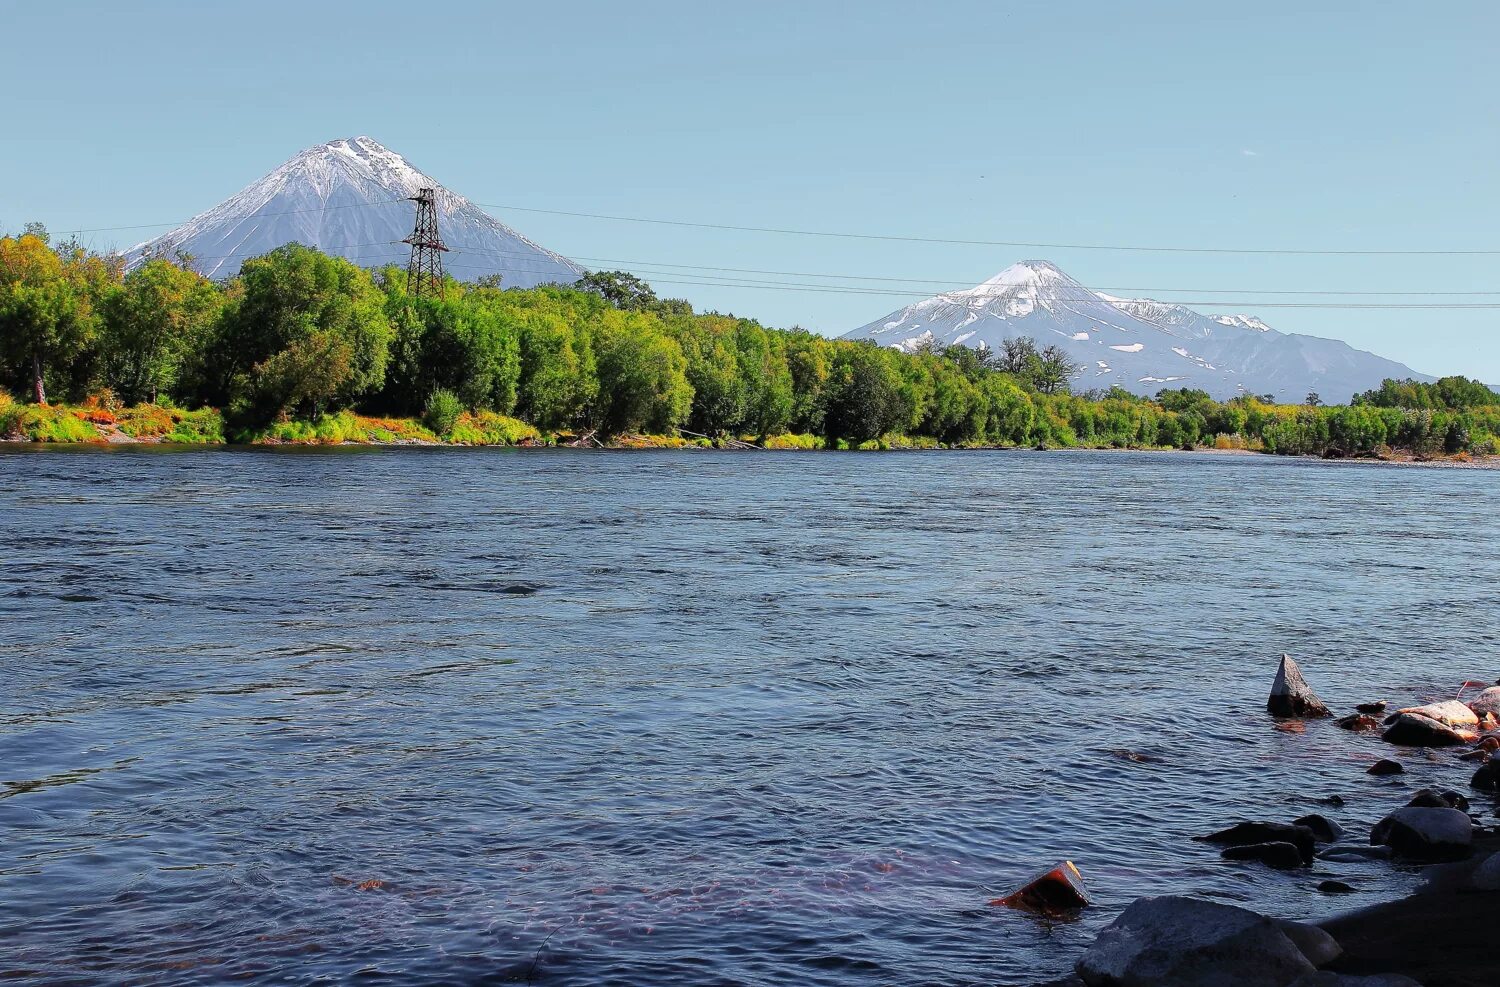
(298, 334)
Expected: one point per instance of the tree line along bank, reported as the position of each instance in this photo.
(302, 346)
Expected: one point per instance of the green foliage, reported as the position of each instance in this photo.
(1448, 392)
(302, 331)
(442, 411)
(298, 341)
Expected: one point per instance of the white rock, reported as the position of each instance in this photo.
(1188, 942)
(1450, 714)
(1487, 701)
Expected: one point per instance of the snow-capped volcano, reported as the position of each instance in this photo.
(1139, 344)
(349, 197)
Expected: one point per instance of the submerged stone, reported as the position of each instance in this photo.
(1360, 722)
(1058, 889)
(1291, 695)
(1385, 766)
(1282, 856)
(1324, 830)
(1253, 833)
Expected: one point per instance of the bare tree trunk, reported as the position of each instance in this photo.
(38, 390)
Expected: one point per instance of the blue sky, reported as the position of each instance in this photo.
(1339, 126)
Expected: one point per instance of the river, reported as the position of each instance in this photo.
(450, 716)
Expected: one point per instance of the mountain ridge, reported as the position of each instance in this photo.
(1139, 344)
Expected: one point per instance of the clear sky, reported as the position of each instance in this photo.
(1360, 125)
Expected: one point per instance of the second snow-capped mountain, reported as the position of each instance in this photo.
(349, 198)
(1138, 344)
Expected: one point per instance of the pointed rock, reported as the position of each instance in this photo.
(1058, 889)
(1291, 695)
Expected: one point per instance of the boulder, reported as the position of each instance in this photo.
(1409, 728)
(1253, 833)
(1385, 766)
(1417, 833)
(1372, 709)
(1452, 714)
(1291, 695)
(1446, 799)
(1359, 722)
(1175, 941)
(1486, 876)
(1056, 890)
(1327, 978)
(1324, 830)
(1318, 946)
(1487, 701)
(1282, 856)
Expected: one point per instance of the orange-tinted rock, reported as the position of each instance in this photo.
(1059, 889)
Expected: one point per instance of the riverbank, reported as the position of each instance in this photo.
(166, 425)
(1441, 935)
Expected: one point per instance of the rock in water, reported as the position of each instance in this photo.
(1450, 714)
(1372, 709)
(1413, 729)
(1188, 942)
(1487, 701)
(1385, 766)
(1359, 722)
(1335, 887)
(1254, 833)
(1418, 833)
(1282, 856)
(1291, 695)
(1324, 830)
(1059, 889)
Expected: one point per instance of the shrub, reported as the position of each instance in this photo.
(442, 411)
(205, 426)
(794, 441)
(486, 428)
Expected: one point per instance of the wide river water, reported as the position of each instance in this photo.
(447, 716)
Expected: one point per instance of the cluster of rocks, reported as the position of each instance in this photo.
(1187, 942)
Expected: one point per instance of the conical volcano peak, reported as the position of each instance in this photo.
(1025, 274)
(348, 197)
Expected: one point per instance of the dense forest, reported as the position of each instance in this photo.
(304, 346)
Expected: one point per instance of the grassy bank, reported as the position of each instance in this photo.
(101, 422)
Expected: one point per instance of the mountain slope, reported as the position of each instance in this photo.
(348, 197)
(1139, 344)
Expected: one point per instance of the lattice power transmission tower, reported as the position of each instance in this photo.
(424, 273)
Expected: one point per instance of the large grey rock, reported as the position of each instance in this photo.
(1486, 876)
(1327, 978)
(1174, 941)
(1291, 695)
(1487, 701)
(1418, 833)
(1318, 946)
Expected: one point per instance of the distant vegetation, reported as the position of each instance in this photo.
(301, 346)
